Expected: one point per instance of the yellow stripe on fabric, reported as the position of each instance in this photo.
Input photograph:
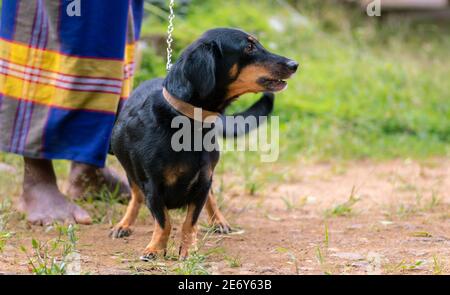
(53, 96)
(130, 52)
(56, 62)
(127, 87)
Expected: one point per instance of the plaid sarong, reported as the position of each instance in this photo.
(63, 78)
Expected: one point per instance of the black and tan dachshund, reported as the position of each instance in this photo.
(211, 73)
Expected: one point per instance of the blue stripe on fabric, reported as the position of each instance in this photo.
(37, 29)
(18, 126)
(99, 32)
(44, 31)
(23, 118)
(26, 126)
(138, 14)
(9, 11)
(78, 135)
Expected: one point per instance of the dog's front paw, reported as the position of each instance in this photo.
(222, 228)
(119, 232)
(148, 257)
(152, 254)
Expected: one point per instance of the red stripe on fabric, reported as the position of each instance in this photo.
(7, 68)
(62, 87)
(63, 74)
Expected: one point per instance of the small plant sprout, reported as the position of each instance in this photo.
(233, 262)
(322, 261)
(292, 258)
(327, 238)
(294, 203)
(52, 257)
(437, 265)
(346, 208)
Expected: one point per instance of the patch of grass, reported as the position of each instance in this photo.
(5, 212)
(344, 209)
(105, 206)
(4, 237)
(52, 257)
(420, 205)
(233, 262)
(432, 203)
(404, 211)
(193, 265)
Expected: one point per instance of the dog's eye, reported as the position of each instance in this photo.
(251, 47)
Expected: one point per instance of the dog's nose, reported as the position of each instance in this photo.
(292, 65)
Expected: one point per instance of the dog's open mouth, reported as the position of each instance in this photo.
(272, 85)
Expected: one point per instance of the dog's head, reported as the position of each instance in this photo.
(225, 64)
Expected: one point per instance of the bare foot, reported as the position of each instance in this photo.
(85, 179)
(42, 201)
(44, 205)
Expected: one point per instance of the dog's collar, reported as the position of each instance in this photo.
(190, 111)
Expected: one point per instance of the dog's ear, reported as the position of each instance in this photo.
(200, 69)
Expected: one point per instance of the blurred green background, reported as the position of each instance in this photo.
(367, 87)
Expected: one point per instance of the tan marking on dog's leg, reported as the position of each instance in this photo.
(122, 229)
(188, 233)
(216, 217)
(160, 237)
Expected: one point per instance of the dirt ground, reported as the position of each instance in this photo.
(347, 218)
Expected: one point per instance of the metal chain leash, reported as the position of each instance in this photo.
(169, 35)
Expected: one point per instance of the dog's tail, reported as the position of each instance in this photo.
(239, 124)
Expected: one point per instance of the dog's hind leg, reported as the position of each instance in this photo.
(216, 218)
(123, 228)
(189, 232)
(160, 237)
